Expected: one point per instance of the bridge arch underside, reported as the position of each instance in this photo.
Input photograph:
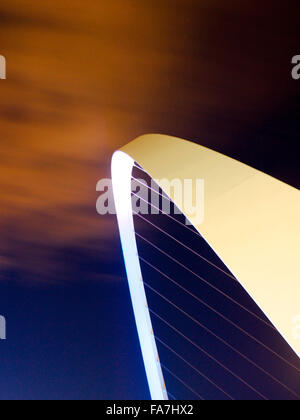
(205, 320)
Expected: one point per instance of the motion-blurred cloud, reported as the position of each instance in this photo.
(84, 78)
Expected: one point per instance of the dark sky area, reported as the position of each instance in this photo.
(84, 78)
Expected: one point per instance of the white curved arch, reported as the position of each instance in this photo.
(252, 223)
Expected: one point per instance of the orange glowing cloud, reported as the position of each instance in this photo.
(83, 78)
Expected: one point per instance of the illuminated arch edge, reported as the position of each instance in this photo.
(251, 222)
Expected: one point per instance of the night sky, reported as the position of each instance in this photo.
(84, 78)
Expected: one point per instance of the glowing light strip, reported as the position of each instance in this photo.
(122, 165)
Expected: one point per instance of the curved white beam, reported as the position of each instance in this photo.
(121, 178)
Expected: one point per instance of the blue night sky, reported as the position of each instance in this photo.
(71, 341)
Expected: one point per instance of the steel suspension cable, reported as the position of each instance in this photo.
(206, 282)
(222, 340)
(224, 317)
(209, 355)
(193, 367)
